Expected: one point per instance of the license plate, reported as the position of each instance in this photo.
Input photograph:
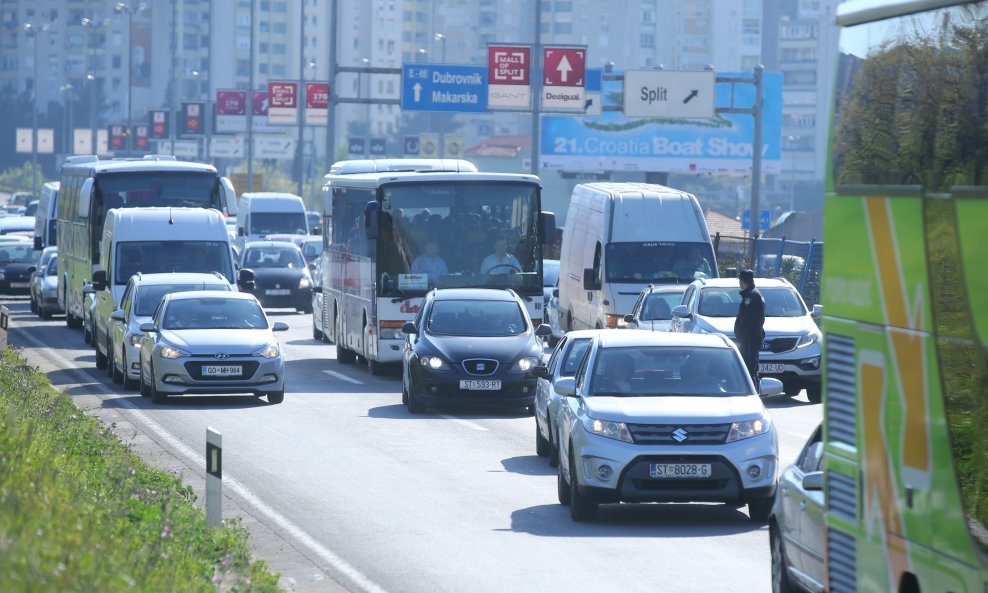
(278, 291)
(679, 470)
(770, 368)
(480, 385)
(18, 284)
(215, 370)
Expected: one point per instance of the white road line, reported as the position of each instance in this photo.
(466, 423)
(343, 567)
(343, 377)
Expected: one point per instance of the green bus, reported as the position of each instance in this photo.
(905, 293)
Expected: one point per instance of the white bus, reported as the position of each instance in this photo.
(90, 187)
(397, 228)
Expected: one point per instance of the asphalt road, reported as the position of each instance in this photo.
(341, 479)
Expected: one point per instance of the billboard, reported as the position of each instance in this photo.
(612, 142)
(316, 103)
(283, 103)
(231, 111)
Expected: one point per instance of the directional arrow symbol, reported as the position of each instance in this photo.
(564, 68)
(691, 96)
(588, 104)
(417, 88)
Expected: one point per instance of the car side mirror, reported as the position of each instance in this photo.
(817, 311)
(279, 326)
(409, 328)
(629, 318)
(565, 386)
(681, 312)
(99, 280)
(311, 266)
(813, 481)
(245, 280)
(118, 315)
(317, 289)
(87, 288)
(543, 330)
(541, 371)
(555, 292)
(769, 387)
(148, 328)
(590, 281)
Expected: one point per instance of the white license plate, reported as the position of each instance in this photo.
(18, 284)
(480, 385)
(278, 291)
(679, 470)
(215, 370)
(770, 368)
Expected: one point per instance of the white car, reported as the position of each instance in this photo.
(140, 297)
(38, 278)
(653, 309)
(565, 360)
(664, 417)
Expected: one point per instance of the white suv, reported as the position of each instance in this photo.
(664, 417)
(791, 349)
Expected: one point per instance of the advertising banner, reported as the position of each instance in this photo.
(316, 103)
(282, 103)
(231, 111)
(509, 77)
(193, 118)
(141, 137)
(117, 139)
(564, 78)
(612, 142)
(140, 55)
(159, 124)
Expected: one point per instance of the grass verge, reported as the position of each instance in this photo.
(80, 512)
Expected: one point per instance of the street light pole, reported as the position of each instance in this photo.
(31, 30)
(442, 123)
(91, 77)
(67, 90)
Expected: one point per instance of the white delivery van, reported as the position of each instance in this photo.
(260, 214)
(150, 241)
(46, 216)
(621, 237)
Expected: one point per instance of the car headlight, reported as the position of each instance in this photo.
(808, 339)
(433, 362)
(606, 428)
(167, 351)
(269, 351)
(305, 282)
(135, 340)
(748, 428)
(526, 364)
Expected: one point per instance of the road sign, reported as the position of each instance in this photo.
(117, 137)
(283, 103)
(763, 221)
(357, 146)
(378, 147)
(564, 78)
(316, 103)
(443, 87)
(193, 118)
(102, 141)
(429, 145)
(669, 93)
(231, 111)
(452, 146)
(274, 147)
(183, 149)
(226, 147)
(82, 141)
(509, 77)
(260, 103)
(411, 146)
(25, 140)
(140, 137)
(159, 125)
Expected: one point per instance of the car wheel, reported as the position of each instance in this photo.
(118, 376)
(541, 443)
(42, 311)
(581, 507)
(316, 333)
(814, 393)
(34, 304)
(100, 357)
(759, 509)
(276, 397)
(110, 362)
(145, 388)
(780, 566)
(156, 396)
(562, 488)
(414, 406)
(126, 381)
(345, 356)
(307, 308)
(553, 448)
(87, 335)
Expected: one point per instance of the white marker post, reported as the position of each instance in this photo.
(214, 477)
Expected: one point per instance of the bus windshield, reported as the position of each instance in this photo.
(459, 234)
(152, 257)
(187, 189)
(659, 262)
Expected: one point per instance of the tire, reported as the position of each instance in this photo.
(759, 509)
(42, 312)
(374, 367)
(541, 443)
(780, 572)
(110, 362)
(316, 333)
(307, 308)
(562, 488)
(581, 507)
(814, 393)
(118, 376)
(553, 448)
(345, 356)
(87, 335)
(72, 321)
(414, 406)
(100, 357)
(145, 388)
(127, 383)
(404, 391)
(34, 304)
(156, 396)
(276, 397)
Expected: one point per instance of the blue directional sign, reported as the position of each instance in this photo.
(763, 221)
(443, 87)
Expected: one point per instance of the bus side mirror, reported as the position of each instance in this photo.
(86, 197)
(372, 219)
(548, 227)
(229, 196)
(590, 281)
(37, 243)
(99, 280)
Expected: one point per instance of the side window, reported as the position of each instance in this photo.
(596, 263)
(637, 309)
(156, 316)
(420, 316)
(575, 356)
(581, 371)
(812, 454)
(554, 359)
(127, 298)
(688, 297)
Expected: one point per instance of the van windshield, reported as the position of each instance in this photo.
(277, 223)
(152, 257)
(661, 261)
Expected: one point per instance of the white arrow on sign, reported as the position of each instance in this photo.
(564, 68)
(417, 88)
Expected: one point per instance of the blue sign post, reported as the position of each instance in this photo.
(443, 87)
(763, 220)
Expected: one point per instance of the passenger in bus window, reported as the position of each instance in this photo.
(430, 263)
(500, 262)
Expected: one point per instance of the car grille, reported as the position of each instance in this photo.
(480, 367)
(194, 369)
(673, 434)
(778, 345)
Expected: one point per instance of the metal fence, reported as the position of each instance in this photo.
(800, 262)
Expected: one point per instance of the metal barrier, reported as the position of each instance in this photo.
(799, 262)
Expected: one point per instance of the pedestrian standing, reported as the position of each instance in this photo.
(749, 332)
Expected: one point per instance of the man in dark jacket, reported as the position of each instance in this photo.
(748, 327)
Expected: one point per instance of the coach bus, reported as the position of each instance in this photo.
(398, 228)
(90, 187)
(905, 293)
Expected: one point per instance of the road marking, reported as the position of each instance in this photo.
(344, 568)
(466, 423)
(343, 377)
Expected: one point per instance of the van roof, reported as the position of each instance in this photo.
(180, 224)
(625, 188)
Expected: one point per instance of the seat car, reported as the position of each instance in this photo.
(211, 342)
(796, 526)
(17, 262)
(37, 277)
(281, 278)
(140, 297)
(792, 347)
(565, 359)
(653, 309)
(470, 347)
(44, 288)
(664, 417)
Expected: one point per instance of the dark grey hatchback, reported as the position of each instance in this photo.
(471, 347)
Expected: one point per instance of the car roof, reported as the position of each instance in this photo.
(664, 288)
(733, 282)
(270, 244)
(198, 294)
(618, 338)
(180, 278)
(583, 333)
(474, 294)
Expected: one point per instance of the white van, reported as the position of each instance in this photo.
(46, 216)
(150, 241)
(621, 237)
(260, 214)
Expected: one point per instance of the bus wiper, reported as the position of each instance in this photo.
(400, 298)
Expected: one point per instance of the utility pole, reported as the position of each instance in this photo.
(250, 102)
(331, 75)
(536, 89)
(300, 100)
(32, 30)
(442, 121)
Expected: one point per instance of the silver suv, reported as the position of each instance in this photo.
(664, 417)
(791, 350)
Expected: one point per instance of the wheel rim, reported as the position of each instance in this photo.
(777, 563)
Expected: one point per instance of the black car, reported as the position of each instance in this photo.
(280, 277)
(471, 347)
(17, 262)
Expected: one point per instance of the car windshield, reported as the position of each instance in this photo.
(273, 223)
(213, 313)
(550, 273)
(16, 253)
(152, 257)
(662, 261)
(668, 370)
(148, 297)
(658, 306)
(52, 269)
(780, 301)
(476, 318)
(272, 257)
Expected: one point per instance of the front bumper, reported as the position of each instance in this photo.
(296, 298)
(184, 375)
(443, 387)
